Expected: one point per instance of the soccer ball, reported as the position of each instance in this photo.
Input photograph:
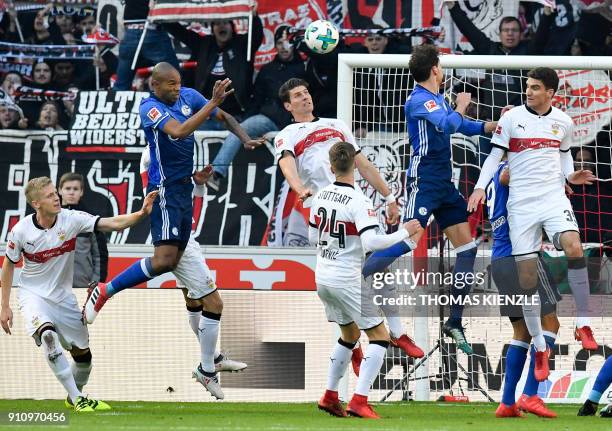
(321, 36)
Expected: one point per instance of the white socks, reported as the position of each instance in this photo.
(578, 280)
(338, 361)
(58, 363)
(395, 326)
(208, 335)
(194, 320)
(533, 322)
(370, 366)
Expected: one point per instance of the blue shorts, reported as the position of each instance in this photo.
(438, 197)
(172, 213)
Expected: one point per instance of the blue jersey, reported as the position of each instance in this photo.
(497, 200)
(171, 159)
(430, 122)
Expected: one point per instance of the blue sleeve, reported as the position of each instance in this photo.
(471, 128)
(197, 101)
(429, 109)
(153, 114)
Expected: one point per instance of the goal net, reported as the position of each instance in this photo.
(371, 96)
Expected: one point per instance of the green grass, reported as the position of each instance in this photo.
(288, 417)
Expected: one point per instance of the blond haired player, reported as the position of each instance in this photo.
(537, 138)
(344, 225)
(46, 240)
(302, 149)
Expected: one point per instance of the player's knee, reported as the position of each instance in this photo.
(528, 283)
(50, 342)
(213, 303)
(550, 323)
(81, 356)
(350, 333)
(193, 304)
(378, 333)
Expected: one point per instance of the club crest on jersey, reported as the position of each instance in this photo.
(556, 128)
(498, 130)
(431, 105)
(423, 211)
(175, 231)
(61, 234)
(186, 110)
(153, 114)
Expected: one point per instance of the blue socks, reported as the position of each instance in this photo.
(515, 361)
(603, 380)
(466, 255)
(531, 385)
(139, 272)
(381, 259)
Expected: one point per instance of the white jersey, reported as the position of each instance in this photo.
(48, 261)
(340, 213)
(310, 143)
(533, 143)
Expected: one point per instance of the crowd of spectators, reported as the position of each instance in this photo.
(222, 52)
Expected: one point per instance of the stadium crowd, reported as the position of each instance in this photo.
(39, 93)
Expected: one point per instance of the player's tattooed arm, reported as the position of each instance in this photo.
(234, 126)
(373, 177)
(123, 221)
(6, 314)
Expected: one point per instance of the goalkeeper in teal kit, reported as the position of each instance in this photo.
(429, 186)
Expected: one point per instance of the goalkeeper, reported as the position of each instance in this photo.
(429, 186)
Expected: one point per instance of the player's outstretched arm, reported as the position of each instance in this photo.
(289, 169)
(373, 177)
(123, 221)
(6, 314)
(182, 130)
(234, 126)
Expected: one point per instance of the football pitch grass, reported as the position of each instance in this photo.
(298, 416)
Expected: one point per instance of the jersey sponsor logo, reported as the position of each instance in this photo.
(316, 137)
(518, 144)
(186, 110)
(153, 114)
(498, 130)
(431, 105)
(45, 255)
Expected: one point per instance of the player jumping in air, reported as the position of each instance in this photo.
(537, 138)
(505, 275)
(303, 152)
(46, 240)
(343, 224)
(169, 118)
(201, 298)
(429, 184)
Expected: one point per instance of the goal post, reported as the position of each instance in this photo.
(372, 89)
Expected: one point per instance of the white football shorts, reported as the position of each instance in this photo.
(65, 316)
(344, 305)
(554, 215)
(192, 272)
